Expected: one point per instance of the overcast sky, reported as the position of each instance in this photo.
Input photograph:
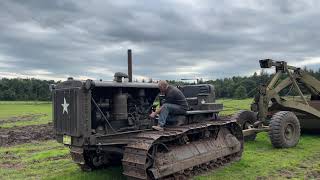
(170, 39)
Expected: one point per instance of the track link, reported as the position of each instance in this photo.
(143, 159)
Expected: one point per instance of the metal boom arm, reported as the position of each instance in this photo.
(270, 92)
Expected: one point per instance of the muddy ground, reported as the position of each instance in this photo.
(28, 117)
(26, 134)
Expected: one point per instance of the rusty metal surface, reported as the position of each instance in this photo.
(77, 155)
(226, 140)
(250, 131)
(195, 153)
(130, 137)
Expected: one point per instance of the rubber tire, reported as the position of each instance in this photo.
(278, 125)
(243, 117)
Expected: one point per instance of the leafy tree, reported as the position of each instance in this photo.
(25, 89)
(240, 92)
(251, 87)
(8, 95)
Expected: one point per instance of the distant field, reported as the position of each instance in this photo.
(231, 106)
(23, 113)
(50, 160)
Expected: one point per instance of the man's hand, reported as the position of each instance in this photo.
(153, 115)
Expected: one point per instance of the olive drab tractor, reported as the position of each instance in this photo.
(107, 122)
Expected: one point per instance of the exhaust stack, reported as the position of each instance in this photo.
(130, 65)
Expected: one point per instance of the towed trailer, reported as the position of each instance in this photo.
(281, 116)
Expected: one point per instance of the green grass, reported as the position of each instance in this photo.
(16, 110)
(25, 102)
(231, 106)
(50, 160)
(260, 159)
(45, 160)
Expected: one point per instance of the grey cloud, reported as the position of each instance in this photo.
(170, 39)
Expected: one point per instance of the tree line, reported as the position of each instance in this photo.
(235, 87)
(25, 89)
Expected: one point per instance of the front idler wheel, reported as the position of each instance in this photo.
(284, 129)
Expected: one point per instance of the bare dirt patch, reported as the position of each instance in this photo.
(26, 134)
(59, 157)
(28, 117)
(286, 173)
(9, 165)
(314, 174)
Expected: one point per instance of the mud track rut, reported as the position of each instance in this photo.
(25, 134)
(28, 117)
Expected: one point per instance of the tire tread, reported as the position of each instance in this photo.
(276, 134)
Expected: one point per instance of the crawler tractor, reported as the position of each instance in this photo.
(106, 123)
(280, 115)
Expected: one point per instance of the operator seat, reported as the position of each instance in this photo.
(194, 95)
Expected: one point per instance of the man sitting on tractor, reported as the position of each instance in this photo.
(175, 104)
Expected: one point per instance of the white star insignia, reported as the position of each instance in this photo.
(65, 106)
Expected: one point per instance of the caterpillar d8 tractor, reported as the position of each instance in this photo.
(107, 123)
(283, 116)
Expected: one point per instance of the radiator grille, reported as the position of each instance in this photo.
(66, 111)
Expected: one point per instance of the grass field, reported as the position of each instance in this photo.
(231, 106)
(21, 113)
(50, 160)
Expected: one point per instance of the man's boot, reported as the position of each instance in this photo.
(158, 128)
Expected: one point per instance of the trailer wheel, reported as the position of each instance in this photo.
(245, 119)
(284, 129)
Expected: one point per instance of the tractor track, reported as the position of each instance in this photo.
(135, 162)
